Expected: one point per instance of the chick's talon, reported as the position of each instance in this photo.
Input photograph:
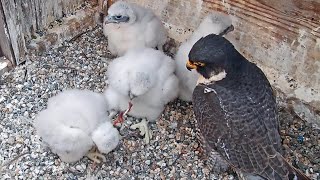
(96, 156)
(144, 130)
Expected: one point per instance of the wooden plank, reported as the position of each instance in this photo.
(5, 43)
(70, 27)
(27, 13)
(28, 19)
(283, 19)
(13, 20)
(282, 37)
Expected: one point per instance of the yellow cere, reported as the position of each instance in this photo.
(199, 64)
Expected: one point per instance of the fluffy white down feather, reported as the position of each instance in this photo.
(144, 28)
(70, 119)
(148, 75)
(106, 137)
(213, 23)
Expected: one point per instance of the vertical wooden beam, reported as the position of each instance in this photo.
(24, 18)
(5, 43)
(14, 20)
(103, 5)
(109, 3)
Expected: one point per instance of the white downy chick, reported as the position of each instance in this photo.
(145, 77)
(69, 124)
(129, 25)
(215, 23)
(106, 137)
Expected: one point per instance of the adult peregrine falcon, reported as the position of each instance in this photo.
(236, 111)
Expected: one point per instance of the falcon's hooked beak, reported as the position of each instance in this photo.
(190, 65)
(194, 65)
(116, 19)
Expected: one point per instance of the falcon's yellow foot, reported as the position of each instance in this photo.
(96, 156)
(144, 130)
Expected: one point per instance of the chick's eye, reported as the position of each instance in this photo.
(118, 17)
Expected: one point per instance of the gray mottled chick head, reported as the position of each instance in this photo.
(214, 23)
(120, 12)
(140, 84)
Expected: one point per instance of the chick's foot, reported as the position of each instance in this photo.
(144, 130)
(96, 156)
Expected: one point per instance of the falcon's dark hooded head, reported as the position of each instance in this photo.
(212, 55)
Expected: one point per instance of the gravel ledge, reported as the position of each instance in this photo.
(173, 152)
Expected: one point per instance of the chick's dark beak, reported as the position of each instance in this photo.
(110, 19)
(190, 65)
(227, 30)
(131, 96)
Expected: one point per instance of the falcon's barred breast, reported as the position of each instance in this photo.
(237, 115)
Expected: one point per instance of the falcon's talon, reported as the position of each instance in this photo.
(144, 130)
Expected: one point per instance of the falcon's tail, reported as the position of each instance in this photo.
(295, 174)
